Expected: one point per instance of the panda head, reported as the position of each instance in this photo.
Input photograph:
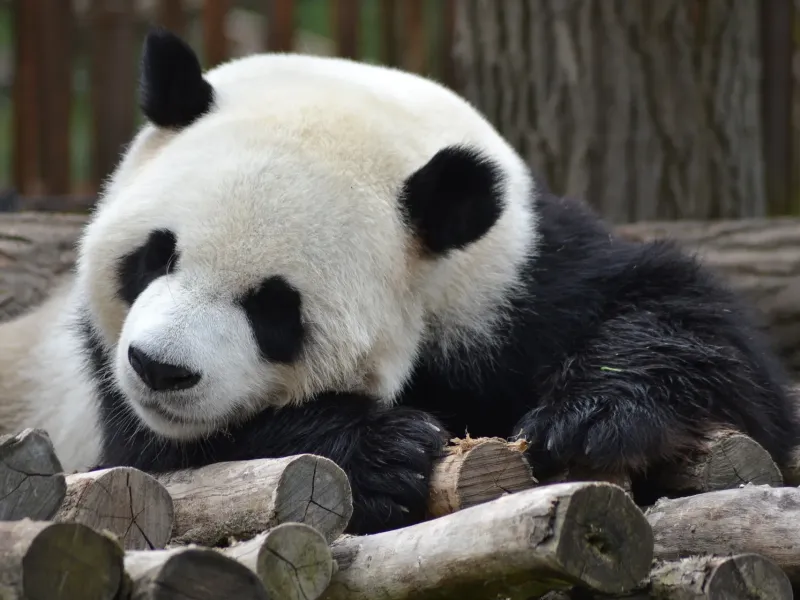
(286, 225)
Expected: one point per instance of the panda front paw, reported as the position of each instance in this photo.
(390, 469)
(590, 438)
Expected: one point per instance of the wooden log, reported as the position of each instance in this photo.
(41, 560)
(241, 499)
(477, 471)
(727, 460)
(739, 577)
(189, 572)
(31, 480)
(752, 519)
(125, 501)
(720, 578)
(293, 561)
(520, 545)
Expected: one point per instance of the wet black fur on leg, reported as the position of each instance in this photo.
(387, 453)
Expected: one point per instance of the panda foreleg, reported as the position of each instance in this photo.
(643, 391)
(386, 452)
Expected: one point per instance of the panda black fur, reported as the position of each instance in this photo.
(369, 309)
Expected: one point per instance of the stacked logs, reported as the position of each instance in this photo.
(273, 528)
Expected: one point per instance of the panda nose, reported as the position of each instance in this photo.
(159, 376)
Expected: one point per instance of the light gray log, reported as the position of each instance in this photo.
(753, 519)
(125, 501)
(241, 499)
(31, 479)
(727, 460)
(41, 560)
(520, 545)
(189, 572)
(740, 577)
(293, 561)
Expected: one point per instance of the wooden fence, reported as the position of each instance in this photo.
(74, 66)
(54, 39)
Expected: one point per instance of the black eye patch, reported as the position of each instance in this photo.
(147, 263)
(273, 309)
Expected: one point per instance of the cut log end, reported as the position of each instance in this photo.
(241, 499)
(293, 561)
(190, 572)
(58, 561)
(31, 480)
(740, 577)
(728, 460)
(612, 558)
(486, 471)
(125, 501)
(315, 491)
(721, 578)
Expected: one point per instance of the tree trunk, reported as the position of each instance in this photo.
(648, 110)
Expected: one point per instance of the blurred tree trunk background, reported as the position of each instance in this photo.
(647, 109)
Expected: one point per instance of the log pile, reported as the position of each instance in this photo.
(273, 528)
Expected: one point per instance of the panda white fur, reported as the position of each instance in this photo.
(304, 254)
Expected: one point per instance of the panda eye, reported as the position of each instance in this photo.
(147, 263)
(273, 309)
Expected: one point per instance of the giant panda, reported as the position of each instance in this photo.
(306, 254)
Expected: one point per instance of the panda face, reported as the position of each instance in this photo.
(262, 280)
(296, 227)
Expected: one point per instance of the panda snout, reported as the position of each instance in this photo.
(159, 376)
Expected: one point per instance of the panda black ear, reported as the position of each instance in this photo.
(172, 90)
(454, 199)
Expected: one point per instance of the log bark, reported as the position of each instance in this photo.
(125, 501)
(759, 258)
(740, 577)
(31, 479)
(36, 251)
(293, 561)
(520, 545)
(753, 519)
(242, 499)
(58, 561)
(728, 460)
(477, 471)
(649, 110)
(720, 578)
(189, 572)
